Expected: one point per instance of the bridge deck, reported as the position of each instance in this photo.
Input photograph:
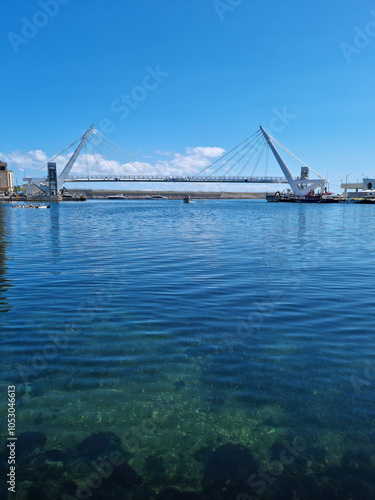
(150, 178)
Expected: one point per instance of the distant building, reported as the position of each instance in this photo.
(361, 188)
(6, 179)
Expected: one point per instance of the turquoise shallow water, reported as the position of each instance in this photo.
(204, 342)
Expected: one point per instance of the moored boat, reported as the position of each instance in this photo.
(81, 197)
(116, 197)
(288, 196)
(30, 206)
(311, 197)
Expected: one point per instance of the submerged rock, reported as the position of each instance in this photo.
(55, 455)
(226, 470)
(99, 443)
(28, 440)
(173, 494)
(179, 384)
(124, 476)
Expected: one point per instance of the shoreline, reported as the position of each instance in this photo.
(141, 195)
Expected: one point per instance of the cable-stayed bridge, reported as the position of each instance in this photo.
(238, 166)
(156, 178)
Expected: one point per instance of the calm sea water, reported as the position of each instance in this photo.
(223, 349)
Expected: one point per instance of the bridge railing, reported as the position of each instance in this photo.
(236, 178)
(112, 177)
(142, 178)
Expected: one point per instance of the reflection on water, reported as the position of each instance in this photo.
(54, 224)
(217, 348)
(4, 283)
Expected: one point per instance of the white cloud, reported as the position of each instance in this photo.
(164, 153)
(86, 164)
(19, 159)
(89, 164)
(206, 152)
(192, 162)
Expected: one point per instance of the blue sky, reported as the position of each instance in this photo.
(217, 70)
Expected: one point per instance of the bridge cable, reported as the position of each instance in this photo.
(294, 156)
(237, 161)
(256, 148)
(63, 151)
(149, 168)
(226, 154)
(258, 159)
(85, 160)
(105, 145)
(247, 147)
(126, 159)
(95, 156)
(104, 158)
(255, 145)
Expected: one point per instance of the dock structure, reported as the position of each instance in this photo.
(360, 189)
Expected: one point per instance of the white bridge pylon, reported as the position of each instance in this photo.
(68, 167)
(226, 169)
(40, 183)
(299, 186)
